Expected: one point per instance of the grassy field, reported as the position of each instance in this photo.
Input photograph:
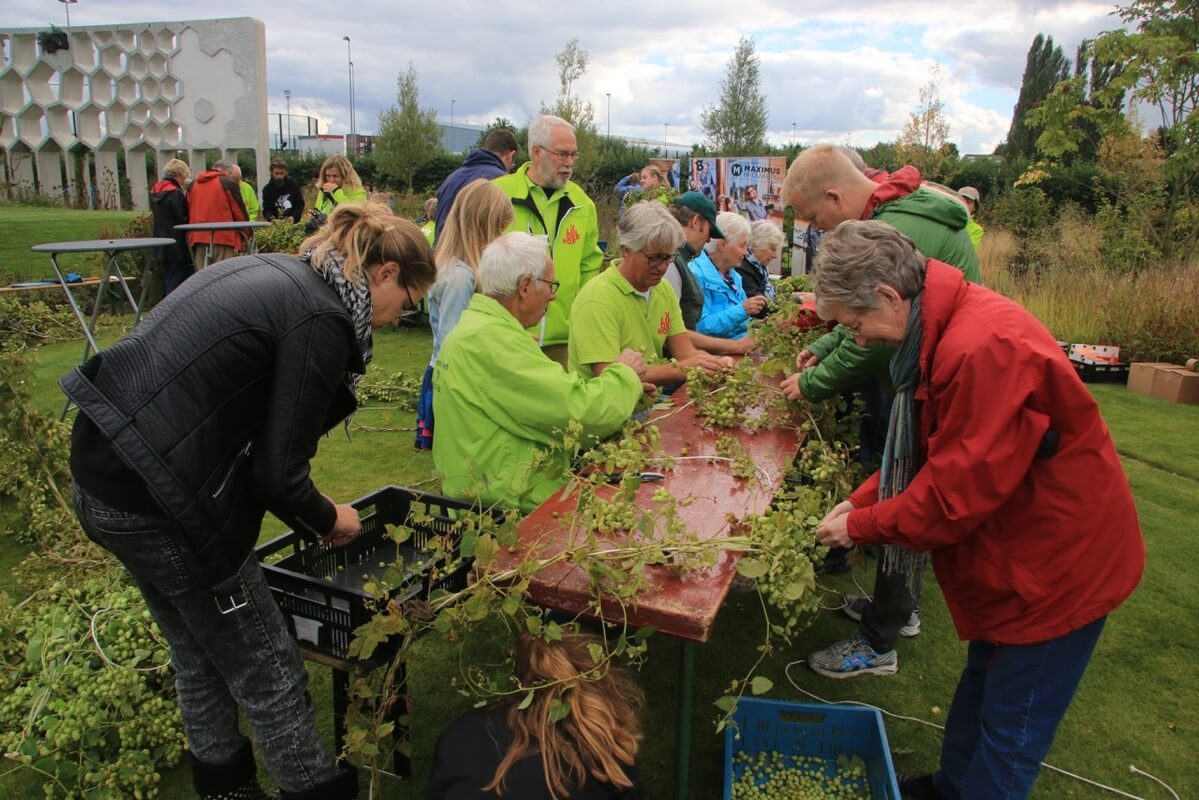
(22, 226)
(1131, 708)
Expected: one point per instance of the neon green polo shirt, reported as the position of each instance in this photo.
(609, 316)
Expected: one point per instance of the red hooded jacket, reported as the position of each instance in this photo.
(1026, 548)
(215, 198)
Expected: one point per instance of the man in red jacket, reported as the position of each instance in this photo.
(215, 197)
(998, 463)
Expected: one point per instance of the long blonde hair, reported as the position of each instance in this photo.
(368, 234)
(600, 736)
(349, 177)
(480, 213)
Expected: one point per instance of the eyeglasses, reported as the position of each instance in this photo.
(409, 309)
(552, 284)
(656, 259)
(562, 155)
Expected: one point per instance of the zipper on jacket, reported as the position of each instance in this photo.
(237, 459)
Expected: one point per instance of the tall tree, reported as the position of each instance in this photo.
(1045, 65)
(922, 141)
(736, 125)
(572, 65)
(408, 136)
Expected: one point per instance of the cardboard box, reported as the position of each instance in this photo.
(1176, 385)
(1141, 375)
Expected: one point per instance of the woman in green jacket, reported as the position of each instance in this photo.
(337, 183)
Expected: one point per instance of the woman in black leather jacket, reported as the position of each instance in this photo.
(200, 421)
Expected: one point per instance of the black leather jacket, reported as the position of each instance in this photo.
(218, 398)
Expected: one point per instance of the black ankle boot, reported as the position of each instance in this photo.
(342, 787)
(236, 779)
(919, 787)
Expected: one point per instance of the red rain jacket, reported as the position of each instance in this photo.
(1025, 548)
(215, 198)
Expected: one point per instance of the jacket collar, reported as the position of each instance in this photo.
(899, 183)
(490, 307)
(944, 287)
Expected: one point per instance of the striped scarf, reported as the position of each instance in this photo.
(356, 297)
(901, 454)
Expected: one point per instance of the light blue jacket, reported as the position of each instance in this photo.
(448, 298)
(724, 315)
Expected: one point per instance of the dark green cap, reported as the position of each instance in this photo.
(701, 204)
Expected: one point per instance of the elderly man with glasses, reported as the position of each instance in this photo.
(501, 404)
(629, 306)
(547, 202)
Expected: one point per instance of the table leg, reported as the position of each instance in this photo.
(62, 281)
(211, 241)
(682, 756)
(115, 269)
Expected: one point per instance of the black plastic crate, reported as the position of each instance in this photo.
(319, 588)
(1100, 373)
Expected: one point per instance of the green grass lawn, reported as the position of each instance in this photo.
(22, 227)
(1131, 708)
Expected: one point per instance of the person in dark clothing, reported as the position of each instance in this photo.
(282, 197)
(492, 160)
(697, 215)
(765, 240)
(589, 755)
(197, 423)
(168, 208)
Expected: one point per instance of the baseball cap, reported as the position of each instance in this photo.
(701, 204)
(969, 192)
(278, 162)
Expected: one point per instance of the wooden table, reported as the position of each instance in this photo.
(113, 274)
(683, 606)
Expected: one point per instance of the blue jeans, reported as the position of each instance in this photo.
(1005, 712)
(244, 657)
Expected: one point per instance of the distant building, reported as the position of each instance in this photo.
(998, 159)
(461, 137)
(328, 144)
(664, 149)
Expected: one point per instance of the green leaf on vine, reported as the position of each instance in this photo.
(751, 568)
(527, 701)
(761, 684)
(559, 710)
(727, 704)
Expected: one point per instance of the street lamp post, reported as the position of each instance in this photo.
(287, 95)
(350, 69)
(665, 130)
(452, 112)
(609, 96)
(794, 138)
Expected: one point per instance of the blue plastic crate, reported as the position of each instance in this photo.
(812, 729)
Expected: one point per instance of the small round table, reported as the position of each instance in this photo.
(112, 274)
(213, 227)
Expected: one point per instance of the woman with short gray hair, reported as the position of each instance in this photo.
(998, 464)
(765, 242)
(727, 308)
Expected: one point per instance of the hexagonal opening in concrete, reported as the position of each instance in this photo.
(58, 120)
(22, 50)
(153, 133)
(84, 52)
(169, 88)
(31, 126)
(172, 134)
(128, 90)
(132, 135)
(104, 38)
(71, 91)
(139, 112)
(115, 120)
(8, 130)
(150, 90)
(13, 95)
(89, 119)
(138, 66)
(167, 41)
(103, 88)
(161, 110)
(43, 83)
(112, 59)
(158, 65)
(146, 42)
(127, 40)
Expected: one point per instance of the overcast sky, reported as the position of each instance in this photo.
(843, 72)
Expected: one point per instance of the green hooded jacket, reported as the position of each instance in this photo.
(501, 406)
(937, 224)
(567, 216)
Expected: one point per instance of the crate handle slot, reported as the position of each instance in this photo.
(802, 718)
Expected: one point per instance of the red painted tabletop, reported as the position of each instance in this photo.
(684, 606)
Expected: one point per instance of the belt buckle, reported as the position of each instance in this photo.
(236, 600)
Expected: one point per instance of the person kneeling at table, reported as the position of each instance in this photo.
(500, 402)
(1006, 473)
(629, 306)
(508, 750)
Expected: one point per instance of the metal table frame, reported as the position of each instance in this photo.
(213, 227)
(110, 248)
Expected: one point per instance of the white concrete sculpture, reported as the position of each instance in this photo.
(150, 86)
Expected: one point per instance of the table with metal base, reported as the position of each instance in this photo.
(212, 227)
(112, 275)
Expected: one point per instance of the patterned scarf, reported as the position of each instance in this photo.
(356, 297)
(901, 454)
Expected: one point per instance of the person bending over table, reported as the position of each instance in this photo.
(520, 753)
(500, 403)
(998, 463)
(727, 310)
(197, 423)
(629, 306)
